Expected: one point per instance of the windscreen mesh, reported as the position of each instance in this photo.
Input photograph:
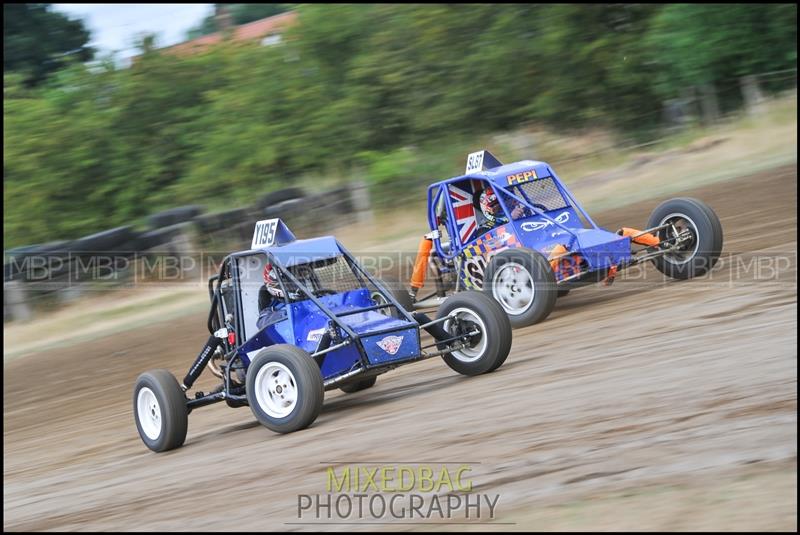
(543, 192)
(334, 274)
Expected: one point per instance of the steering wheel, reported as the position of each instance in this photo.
(541, 207)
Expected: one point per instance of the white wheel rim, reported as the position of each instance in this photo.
(671, 258)
(149, 412)
(276, 390)
(467, 354)
(513, 288)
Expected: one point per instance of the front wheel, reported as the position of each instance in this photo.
(284, 388)
(159, 407)
(524, 284)
(697, 232)
(483, 331)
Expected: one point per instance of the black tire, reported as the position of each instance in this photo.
(358, 386)
(59, 248)
(307, 382)
(155, 238)
(173, 415)
(103, 241)
(24, 250)
(174, 216)
(220, 220)
(279, 196)
(287, 209)
(17, 266)
(398, 291)
(11, 271)
(341, 201)
(718, 237)
(540, 278)
(56, 257)
(485, 357)
(703, 250)
(127, 248)
(61, 266)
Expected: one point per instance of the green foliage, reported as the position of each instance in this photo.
(383, 91)
(38, 41)
(711, 43)
(389, 173)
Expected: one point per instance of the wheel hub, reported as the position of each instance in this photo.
(276, 390)
(684, 233)
(149, 412)
(464, 322)
(513, 288)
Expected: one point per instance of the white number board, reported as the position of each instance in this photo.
(474, 162)
(264, 235)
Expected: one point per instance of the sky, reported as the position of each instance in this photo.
(115, 27)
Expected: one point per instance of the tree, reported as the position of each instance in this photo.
(394, 91)
(38, 41)
(695, 44)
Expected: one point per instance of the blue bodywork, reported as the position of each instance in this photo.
(554, 218)
(375, 339)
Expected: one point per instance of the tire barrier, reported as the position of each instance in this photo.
(209, 223)
(57, 272)
(275, 197)
(173, 216)
(159, 237)
(102, 241)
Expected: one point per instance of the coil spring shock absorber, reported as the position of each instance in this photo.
(200, 362)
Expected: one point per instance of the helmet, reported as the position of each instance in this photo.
(489, 204)
(271, 281)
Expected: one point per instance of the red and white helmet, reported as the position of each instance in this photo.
(490, 206)
(271, 281)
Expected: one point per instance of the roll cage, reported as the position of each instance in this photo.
(216, 319)
(438, 195)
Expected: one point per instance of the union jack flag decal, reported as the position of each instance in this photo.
(464, 210)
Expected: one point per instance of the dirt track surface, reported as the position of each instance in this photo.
(667, 405)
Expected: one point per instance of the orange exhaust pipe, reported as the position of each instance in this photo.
(647, 238)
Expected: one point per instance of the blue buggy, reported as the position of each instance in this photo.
(336, 326)
(516, 233)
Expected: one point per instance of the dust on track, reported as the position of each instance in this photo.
(642, 385)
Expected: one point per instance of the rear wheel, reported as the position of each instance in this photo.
(480, 322)
(524, 284)
(700, 250)
(398, 291)
(284, 388)
(159, 407)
